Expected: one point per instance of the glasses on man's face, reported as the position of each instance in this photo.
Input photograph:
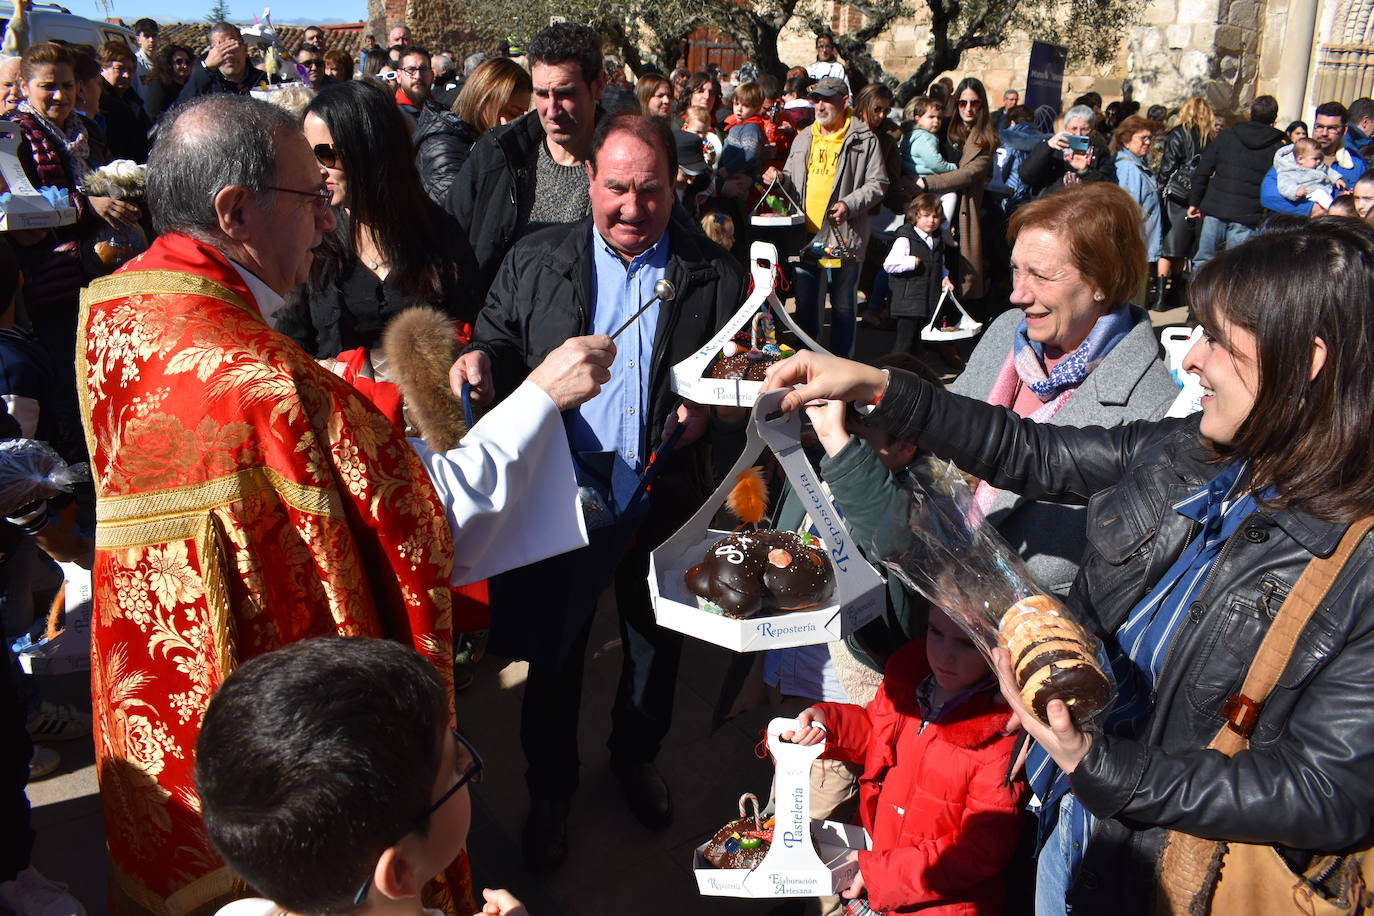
(320, 196)
(325, 155)
(416, 71)
(312, 63)
(471, 775)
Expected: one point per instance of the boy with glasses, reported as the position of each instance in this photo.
(352, 806)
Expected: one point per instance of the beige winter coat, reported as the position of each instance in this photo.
(860, 180)
(975, 168)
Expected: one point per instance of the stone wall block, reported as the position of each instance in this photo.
(1178, 36)
(1160, 12)
(1196, 11)
(1244, 14)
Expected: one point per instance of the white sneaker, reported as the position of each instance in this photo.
(31, 894)
(51, 722)
(43, 763)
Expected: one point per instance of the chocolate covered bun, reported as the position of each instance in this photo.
(1052, 658)
(753, 571)
(1078, 682)
(740, 844)
(749, 366)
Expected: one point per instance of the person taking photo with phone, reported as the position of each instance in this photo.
(1074, 154)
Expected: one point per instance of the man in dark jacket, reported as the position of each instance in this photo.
(1226, 183)
(529, 173)
(126, 123)
(225, 68)
(590, 278)
(1056, 162)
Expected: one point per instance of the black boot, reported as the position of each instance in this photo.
(1161, 299)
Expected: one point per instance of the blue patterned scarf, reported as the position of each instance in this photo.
(1029, 356)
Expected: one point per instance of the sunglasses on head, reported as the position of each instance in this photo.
(325, 155)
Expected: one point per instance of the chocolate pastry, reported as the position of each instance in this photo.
(742, 843)
(1052, 657)
(753, 571)
(1077, 681)
(743, 366)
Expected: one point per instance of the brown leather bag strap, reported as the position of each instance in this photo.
(1188, 865)
(1242, 710)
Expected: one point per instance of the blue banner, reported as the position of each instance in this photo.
(1045, 76)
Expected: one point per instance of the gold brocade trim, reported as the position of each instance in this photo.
(202, 897)
(83, 372)
(214, 560)
(156, 283)
(177, 513)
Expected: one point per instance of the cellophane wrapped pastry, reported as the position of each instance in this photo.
(945, 549)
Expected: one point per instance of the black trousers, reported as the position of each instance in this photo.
(557, 599)
(16, 837)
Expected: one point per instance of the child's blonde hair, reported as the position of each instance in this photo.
(718, 227)
(696, 116)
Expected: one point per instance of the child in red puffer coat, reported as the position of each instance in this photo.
(932, 793)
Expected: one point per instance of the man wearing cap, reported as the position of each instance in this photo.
(693, 176)
(836, 169)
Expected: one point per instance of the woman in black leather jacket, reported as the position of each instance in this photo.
(497, 92)
(1290, 322)
(1183, 144)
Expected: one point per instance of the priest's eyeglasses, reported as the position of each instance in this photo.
(471, 775)
(321, 196)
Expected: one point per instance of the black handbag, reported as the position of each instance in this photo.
(1180, 183)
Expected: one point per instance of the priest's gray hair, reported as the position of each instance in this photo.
(208, 144)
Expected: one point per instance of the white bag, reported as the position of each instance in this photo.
(963, 330)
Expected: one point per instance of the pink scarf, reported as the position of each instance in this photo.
(1003, 394)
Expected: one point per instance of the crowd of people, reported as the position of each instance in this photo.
(380, 348)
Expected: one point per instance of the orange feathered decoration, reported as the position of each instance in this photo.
(749, 498)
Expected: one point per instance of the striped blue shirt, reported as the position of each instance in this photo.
(1142, 643)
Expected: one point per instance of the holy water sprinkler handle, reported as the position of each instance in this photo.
(663, 290)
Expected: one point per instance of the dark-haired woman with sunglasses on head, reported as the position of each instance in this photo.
(394, 248)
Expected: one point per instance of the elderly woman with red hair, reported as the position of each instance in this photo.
(1073, 352)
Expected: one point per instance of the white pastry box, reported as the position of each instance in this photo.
(793, 867)
(687, 375)
(27, 207)
(859, 595)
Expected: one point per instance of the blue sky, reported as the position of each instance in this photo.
(285, 12)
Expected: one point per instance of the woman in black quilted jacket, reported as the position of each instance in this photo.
(497, 92)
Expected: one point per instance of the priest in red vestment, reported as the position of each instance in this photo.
(247, 498)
